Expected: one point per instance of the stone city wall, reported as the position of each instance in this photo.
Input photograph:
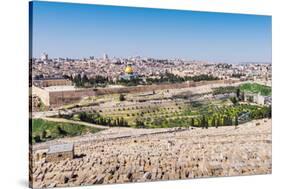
(147, 88)
(52, 82)
(140, 89)
(57, 98)
(65, 97)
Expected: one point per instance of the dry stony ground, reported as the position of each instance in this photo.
(174, 154)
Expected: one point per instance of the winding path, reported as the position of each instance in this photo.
(74, 122)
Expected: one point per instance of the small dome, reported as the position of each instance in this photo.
(129, 69)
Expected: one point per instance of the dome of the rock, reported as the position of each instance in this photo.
(129, 69)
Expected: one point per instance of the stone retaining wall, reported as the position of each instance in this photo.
(57, 98)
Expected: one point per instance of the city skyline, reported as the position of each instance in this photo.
(126, 95)
(79, 31)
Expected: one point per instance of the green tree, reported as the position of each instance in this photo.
(203, 121)
(61, 131)
(236, 121)
(213, 121)
(234, 100)
(139, 123)
(242, 97)
(217, 122)
(122, 97)
(238, 93)
(37, 139)
(269, 112)
(84, 80)
(44, 134)
(192, 121)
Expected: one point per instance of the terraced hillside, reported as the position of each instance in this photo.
(208, 106)
(171, 113)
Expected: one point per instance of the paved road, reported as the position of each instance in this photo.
(44, 114)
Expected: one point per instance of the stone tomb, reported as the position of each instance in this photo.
(60, 152)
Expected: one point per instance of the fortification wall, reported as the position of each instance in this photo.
(58, 98)
(51, 82)
(65, 97)
(139, 89)
(201, 83)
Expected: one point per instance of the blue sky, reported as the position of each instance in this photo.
(80, 30)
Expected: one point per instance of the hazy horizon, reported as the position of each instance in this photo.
(162, 58)
(83, 30)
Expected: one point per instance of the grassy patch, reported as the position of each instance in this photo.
(43, 130)
(247, 87)
(256, 88)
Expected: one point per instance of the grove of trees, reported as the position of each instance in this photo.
(100, 120)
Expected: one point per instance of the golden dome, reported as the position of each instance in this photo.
(129, 69)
